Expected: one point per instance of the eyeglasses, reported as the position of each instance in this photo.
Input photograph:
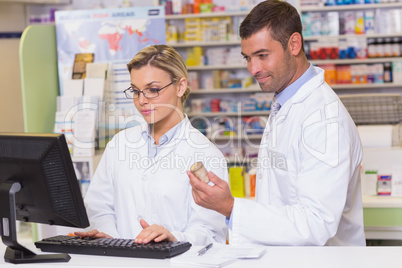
(149, 93)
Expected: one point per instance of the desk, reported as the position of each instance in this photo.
(309, 257)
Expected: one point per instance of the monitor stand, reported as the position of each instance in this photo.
(16, 253)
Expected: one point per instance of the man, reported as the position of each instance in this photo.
(308, 182)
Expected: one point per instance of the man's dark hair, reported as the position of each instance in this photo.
(280, 17)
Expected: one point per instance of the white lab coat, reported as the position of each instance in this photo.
(308, 177)
(129, 186)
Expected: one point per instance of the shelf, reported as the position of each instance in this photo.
(46, 2)
(344, 36)
(242, 160)
(238, 137)
(229, 114)
(207, 15)
(224, 91)
(204, 44)
(363, 86)
(356, 61)
(381, 201)
(348, 7)
(216, 67)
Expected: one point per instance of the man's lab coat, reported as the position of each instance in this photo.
(308, 176)
(129, 186)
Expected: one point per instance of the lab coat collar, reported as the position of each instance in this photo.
(308, 87)
(181, 133)
(304, 91)
(173, 133)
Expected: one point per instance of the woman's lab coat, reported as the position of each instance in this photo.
(308, 181)
(129, 186)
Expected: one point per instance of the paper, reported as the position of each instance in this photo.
(94, 87)
(73, 87)
(96, 70)
(209, 259)
(66, 103)
(84, 133)
(218, 256)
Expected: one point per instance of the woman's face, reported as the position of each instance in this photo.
(166, 109)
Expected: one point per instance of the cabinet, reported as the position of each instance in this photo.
(221, 103)
(367, 41)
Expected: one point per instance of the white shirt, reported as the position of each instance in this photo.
(129, 185)
(308, 176)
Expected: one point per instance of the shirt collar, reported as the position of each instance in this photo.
(167, 137)
(291, 90)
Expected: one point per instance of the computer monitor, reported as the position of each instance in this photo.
(37, 184)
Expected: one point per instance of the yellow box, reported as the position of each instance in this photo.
(236, 181)
(192, 21)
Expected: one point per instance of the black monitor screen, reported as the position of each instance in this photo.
(41, 164)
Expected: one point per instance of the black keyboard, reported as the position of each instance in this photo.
(112, 247)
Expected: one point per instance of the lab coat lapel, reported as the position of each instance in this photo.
(300, 96)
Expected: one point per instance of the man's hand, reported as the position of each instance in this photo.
(217, 197)
(93, 233)
(154, 232)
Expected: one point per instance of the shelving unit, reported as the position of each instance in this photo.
(233, 93)
(225, 91)
(366, 86)
(343, 36)
(207, 15)
(204, 44)
(244, 160)
(237, 114)
(325, 38)
(206, 70)
(349, 7)
(216, 67)
(356, 61)
(239, 137)
(39, 2)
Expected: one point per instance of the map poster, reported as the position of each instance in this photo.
(112, 35)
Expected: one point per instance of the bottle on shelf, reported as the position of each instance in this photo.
(396, 52)
(387, 72)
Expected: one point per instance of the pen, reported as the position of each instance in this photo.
(204, 249)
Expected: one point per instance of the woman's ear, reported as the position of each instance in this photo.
(182, 87)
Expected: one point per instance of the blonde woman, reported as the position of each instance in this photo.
(141, 189)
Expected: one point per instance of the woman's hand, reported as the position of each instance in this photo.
(154, 232)
(93, 233)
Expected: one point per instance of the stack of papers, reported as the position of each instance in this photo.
(218, 256)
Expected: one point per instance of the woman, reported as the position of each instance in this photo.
(140, 189)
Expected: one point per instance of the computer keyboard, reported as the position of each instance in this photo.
(112, 247)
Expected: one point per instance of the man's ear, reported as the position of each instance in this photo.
(182, 87)
(295, 43)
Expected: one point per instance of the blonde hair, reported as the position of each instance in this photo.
(165, 58)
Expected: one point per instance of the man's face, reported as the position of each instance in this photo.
(268, 62)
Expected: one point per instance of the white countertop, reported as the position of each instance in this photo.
(309, 257)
